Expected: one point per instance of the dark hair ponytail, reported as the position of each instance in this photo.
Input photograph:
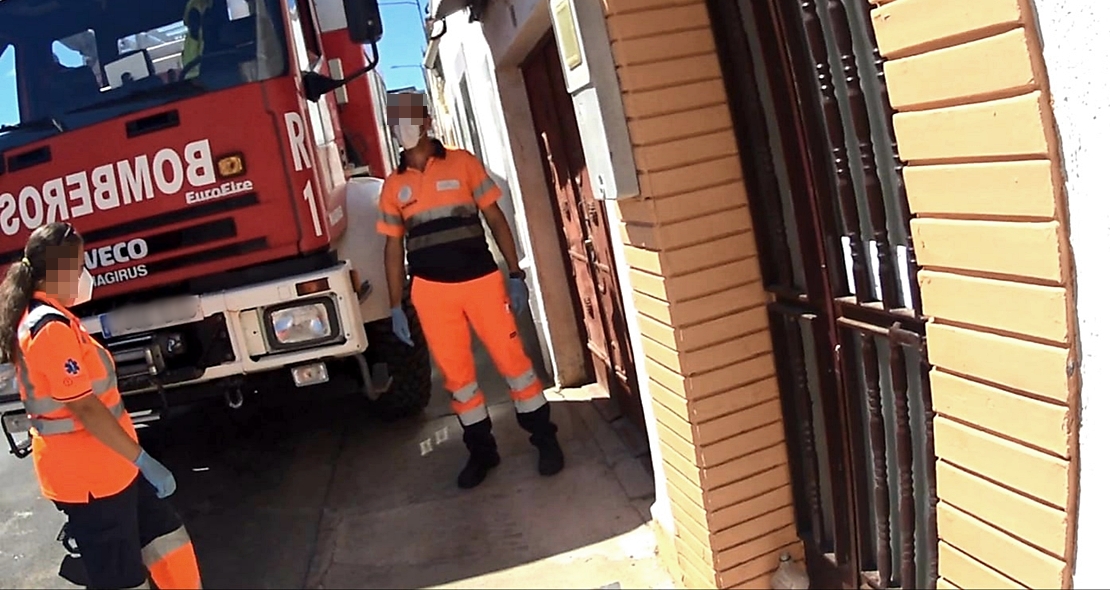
(45, 247)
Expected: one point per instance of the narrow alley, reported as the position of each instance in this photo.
(310, 491)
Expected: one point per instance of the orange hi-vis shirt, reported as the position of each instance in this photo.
(437, 212)
(60, 363)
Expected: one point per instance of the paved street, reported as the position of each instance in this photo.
(315, 493)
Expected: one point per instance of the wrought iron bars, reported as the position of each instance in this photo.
(899, 184)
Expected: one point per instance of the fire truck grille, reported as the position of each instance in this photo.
(171, 355)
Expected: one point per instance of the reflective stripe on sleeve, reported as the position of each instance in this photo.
(51, 427)
(390, 219)
(108, 382)
(483, 188)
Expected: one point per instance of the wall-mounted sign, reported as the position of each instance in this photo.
(567, 30)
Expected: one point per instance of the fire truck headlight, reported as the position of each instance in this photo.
(301, 324)
(230, 166)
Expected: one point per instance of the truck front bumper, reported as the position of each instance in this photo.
(296, 324)
(189, 340)
(288, 323)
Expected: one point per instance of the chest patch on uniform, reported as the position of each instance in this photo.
(72, 367)
(448, 185)
(405, 194)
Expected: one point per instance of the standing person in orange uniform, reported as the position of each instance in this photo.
(86, 452)
(432, 202)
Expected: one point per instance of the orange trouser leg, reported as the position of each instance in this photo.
(177, 567)
(487, 308)
(440, 309)
(167, 549)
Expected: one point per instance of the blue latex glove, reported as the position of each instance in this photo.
(401, 325)
(518, 295)
(157, 474)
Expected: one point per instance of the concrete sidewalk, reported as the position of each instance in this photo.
(311, 491)
(396, 519)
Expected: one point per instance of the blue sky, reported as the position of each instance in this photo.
(401, 53)
(402, 46)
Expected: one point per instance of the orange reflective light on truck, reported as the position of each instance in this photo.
(310, 287)
(231, 166)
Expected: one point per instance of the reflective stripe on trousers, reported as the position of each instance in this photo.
(526, 391)
(469, 404)
(171, 560)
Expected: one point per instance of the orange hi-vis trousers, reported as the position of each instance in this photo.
(446, 312)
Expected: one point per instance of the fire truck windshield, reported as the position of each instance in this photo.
(71, 63)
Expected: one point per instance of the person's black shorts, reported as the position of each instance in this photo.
(110, 534)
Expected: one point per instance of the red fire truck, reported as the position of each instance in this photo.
(222, 159)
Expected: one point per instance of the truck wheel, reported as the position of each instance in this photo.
(410, 367)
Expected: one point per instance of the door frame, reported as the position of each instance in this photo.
(615, 331)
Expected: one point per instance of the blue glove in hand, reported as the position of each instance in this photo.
(518, 295)
(401, 325)
(157, 474)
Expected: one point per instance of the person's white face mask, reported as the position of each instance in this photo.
(409, 132)
(84, 287)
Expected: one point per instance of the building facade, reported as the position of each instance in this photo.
(852, 301)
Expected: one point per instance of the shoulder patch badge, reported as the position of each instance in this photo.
(404, 194)
(72, 367)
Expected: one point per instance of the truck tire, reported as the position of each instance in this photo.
(410, 367)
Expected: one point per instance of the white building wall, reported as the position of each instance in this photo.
(490, 54)
(1075, 48)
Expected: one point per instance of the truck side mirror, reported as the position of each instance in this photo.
(364, 21)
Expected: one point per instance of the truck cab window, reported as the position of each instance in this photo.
(9, 91)
(308, 28)
(85, 61)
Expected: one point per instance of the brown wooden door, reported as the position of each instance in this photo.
(585, 228)
(832, 224)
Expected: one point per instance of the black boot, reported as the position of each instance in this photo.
(483, 453)
(543, 430)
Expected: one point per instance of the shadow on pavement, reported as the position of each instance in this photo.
(315, 492)
(306, 488)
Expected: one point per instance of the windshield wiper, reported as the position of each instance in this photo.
(182, 88)
(40, 124)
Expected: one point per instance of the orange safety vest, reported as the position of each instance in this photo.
(437, 212)
(60, 362)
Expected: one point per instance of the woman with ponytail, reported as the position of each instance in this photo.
(85, 448)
